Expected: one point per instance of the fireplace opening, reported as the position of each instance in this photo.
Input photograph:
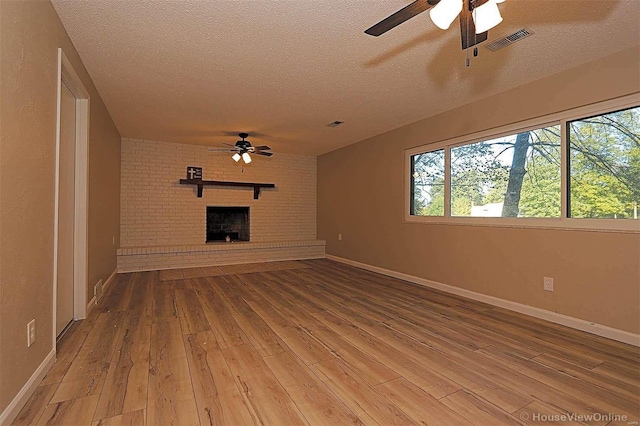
(223, 222)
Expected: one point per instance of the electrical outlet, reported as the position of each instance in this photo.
(548, 284)
(339, 237)
(31, 332)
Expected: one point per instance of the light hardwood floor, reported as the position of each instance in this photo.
(318, 342)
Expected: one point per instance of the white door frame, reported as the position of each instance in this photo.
(67, 74)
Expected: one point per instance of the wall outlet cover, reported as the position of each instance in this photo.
(31, 332)
(97, 290)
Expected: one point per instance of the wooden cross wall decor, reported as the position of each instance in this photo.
(194, 172)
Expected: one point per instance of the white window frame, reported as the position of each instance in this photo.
(563, 222)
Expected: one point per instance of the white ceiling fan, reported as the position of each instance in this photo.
(476, 17)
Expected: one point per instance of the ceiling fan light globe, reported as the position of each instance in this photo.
(486, 16)
(445, 12)
(236, 157)
(246, 157)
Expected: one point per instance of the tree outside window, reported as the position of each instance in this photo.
(604, 171)
(519, 175)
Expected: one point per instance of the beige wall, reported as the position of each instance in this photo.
(157, 210)
(360, 194)
(30, 34)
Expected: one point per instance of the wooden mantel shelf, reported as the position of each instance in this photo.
(202, 183)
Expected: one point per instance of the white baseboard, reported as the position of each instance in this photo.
(13, 409)
(94, 301)
(576, 323)
(109, 280)
(91, 304)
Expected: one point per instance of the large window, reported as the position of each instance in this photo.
(581, 166)
(604, 158)
(512, 176)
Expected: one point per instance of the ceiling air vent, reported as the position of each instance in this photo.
(510, 39)
(335, 123)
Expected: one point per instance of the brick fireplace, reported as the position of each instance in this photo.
(164, 224)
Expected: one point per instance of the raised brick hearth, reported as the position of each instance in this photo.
(169, 257)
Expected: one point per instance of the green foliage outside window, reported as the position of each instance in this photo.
(605, 165)
(520, 175)
(428, 184)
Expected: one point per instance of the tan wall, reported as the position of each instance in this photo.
(157, 210)
(30, 34)
(361, 195)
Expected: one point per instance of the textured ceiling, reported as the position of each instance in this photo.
(202, 71)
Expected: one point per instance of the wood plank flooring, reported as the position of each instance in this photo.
(317, 342)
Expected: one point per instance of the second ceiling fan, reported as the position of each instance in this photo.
(476, 17)
(243, 149)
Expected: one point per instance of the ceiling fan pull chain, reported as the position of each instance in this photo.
(468, 61)
(475, 40)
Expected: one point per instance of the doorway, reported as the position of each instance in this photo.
(66, 209)
(70, 273)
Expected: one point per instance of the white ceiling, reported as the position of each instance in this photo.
(202, 71)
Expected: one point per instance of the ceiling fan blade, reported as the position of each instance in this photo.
(266, 154)
(227, 144)
(220, 150)
(404, 14)
(262, 147)
(468, 27)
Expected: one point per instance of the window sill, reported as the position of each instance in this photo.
(627, 226)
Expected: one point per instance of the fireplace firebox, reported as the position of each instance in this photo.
(223, 222)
